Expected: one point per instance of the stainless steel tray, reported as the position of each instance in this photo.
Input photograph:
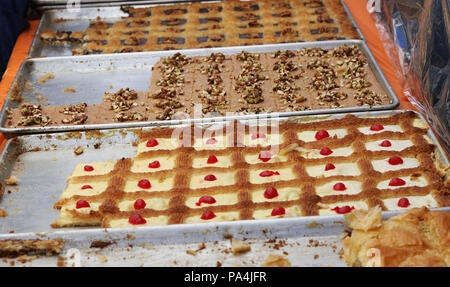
(92, 75)
(42, 163)
(90, 10)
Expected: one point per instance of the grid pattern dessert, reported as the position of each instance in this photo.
(239, 172)
(415, 238)
(241, 83)
(205, 25)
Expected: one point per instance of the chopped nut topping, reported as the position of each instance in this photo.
(32, 115)
(77, 114)
(249, 81)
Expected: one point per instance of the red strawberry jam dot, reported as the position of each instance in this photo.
(136, 219)
(139, 204)
(397, 182)
(326, 151)
(278, 211)
(82, 204)
(87, 187)
(210, 177)
(385, 143)
(206, 199)
(376, 127)
(155, 164)
(403, 202)
(339, 186)
(267, 173)
(208, 215)
(322, 134)
(271, 192)
(329, 166)
(88, 168)
(265, 156)
(211, 141)
(258, 136)
(212, 159)
(343, 209)
(395, 160)
(152, 143)
(144, 183)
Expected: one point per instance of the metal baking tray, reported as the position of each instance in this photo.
(92, 75)
(109, 12)
(43, 162)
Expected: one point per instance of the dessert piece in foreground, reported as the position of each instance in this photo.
(240, 172)
(415, 238)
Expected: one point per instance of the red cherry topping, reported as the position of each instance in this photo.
(258, 136)
(206, 199)
(339, 186)
(154, 164)
(376, 127)
(144, 183)
(278, 211)
(326, 151)
(265, 156)
(385, 143)
(403, 202)
(343, 209)
(270, 193)
(329, 166)
(395, 160)
(212, 159)
(208, 215)
(211, 141)
(88, 168)
(210, 177)
(139, 204)
(152, 143)
(136, 219)
(322, 134)
(82, 204)
(87, 187)
(267, 173)
(396, 182)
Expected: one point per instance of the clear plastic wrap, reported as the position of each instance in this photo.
(416, 36)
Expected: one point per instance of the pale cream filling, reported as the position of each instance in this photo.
(156, 203)
(315, 153)
(222, 179)
(220, 216)
(285, 174)
(346, 169)
(254, 158)
(151, 221)
(267, 213)
(201, 143)
(415, 201)
(387, 128)
(221, 199)
(326, 209)
(268, 140)
(75, 189)
(141, 165)
(310, 136)
(163, 144)
(409, 181)
(284, 194)
(383, 165)
(99, 168)
(165, 184)
(397, 145)
(222, 161)
(353, 187)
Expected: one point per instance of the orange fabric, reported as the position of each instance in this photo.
(356, 7)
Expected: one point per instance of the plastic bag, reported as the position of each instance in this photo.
(416, 36)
